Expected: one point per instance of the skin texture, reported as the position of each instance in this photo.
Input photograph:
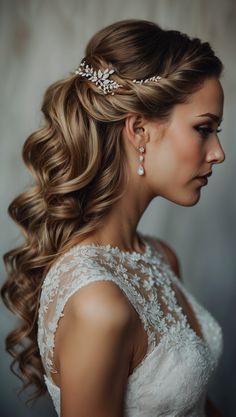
(93, 347)
(176, 151)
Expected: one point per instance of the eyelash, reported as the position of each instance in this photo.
(206, 131)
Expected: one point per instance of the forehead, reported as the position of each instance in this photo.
(209, 98)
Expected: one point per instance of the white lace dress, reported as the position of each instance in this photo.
(172, 379)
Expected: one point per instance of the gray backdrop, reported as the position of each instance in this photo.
(40, 42)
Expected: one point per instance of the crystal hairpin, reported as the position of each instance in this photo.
(154, 78)
(101, 78)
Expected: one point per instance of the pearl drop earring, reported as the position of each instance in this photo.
(141, 159)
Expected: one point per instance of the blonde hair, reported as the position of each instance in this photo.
(78, 162)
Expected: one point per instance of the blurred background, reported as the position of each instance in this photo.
(41, 41)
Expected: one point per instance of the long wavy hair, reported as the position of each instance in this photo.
(78, 161)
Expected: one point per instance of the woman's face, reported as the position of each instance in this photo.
(185, 147)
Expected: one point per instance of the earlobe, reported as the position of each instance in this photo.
(137, 134)
(135, 130)
(131, 125)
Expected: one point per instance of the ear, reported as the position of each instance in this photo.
(136, 130)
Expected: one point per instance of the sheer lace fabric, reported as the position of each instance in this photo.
(173, 376)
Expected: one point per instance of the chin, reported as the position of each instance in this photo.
(191, 201)
(186, 200)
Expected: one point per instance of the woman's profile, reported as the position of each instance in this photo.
(107, 325)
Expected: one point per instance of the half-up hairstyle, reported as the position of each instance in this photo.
(78, 161)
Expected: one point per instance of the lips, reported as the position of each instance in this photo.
(208, 174)
(202, 180)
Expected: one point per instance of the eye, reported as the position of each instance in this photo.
(205, 131)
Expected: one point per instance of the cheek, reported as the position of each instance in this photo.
(175, 158)
(161, 166)
(185, 146)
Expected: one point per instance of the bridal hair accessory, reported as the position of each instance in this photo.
(102, 78)
(155, 78)
(141, 159)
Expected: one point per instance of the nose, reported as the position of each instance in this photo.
(216, 153)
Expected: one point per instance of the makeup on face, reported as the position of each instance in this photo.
(206, 127)
(180, 161)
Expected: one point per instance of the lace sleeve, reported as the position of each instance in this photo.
(67, 276)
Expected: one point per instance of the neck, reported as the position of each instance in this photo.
(120, 225)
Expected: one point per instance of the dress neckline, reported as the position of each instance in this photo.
(116, 250)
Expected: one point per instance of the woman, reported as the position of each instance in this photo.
(112, 330)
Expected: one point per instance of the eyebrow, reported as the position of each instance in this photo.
(212, 116)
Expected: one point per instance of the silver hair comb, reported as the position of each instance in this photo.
(101, 78)
(155, 78)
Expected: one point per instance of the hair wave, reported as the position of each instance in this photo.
(78, 161)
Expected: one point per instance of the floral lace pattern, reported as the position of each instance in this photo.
(173, 376)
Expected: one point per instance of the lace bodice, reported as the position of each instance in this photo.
(173, 376)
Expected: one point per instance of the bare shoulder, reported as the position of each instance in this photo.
(171, 256)
(101, 300)
(94, 350)
(100, 304)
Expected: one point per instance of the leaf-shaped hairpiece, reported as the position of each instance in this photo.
(102, 77)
